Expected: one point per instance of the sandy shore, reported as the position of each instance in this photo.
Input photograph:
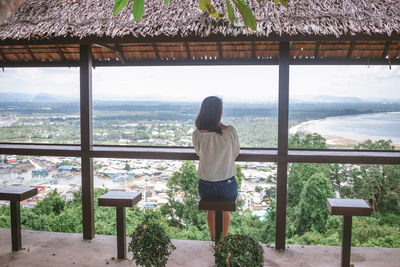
(333, 141)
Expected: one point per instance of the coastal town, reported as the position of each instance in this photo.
(149, 177)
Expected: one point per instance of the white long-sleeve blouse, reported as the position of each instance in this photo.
(217, 153)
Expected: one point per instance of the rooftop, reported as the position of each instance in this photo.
(47, 33)
(65, 249)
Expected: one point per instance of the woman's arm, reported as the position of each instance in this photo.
(236, 145)
(195, 141)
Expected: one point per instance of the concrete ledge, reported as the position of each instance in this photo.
(64, 249)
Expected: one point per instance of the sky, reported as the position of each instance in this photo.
(193, 83)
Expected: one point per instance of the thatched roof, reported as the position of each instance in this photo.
(319, 28)
(48, 19)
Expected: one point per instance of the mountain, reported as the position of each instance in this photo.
(15, 97)
(23, 97)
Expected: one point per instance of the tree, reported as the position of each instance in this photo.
(299, 173)
(311, 212)
(183, 200)
(127, 167)
(205, 5)
(53, 203)
(258, 189)
(239, 176)
(378, 184)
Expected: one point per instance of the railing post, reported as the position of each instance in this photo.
(283, 124)
(86, 140)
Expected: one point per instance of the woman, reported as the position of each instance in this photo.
(217, 146)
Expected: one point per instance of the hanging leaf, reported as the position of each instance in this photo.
(213, 11)
(246, 14)
(203, 4)
(285, 3)
(166, 2)
(138, 9)
(119, 5)
(231, 14)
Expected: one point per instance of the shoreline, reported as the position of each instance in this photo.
(337, 140)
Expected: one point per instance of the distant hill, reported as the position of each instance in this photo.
(21, 97)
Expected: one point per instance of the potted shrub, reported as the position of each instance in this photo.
(150, 245)
(238, 250)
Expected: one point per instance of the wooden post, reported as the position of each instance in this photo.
(86, 140)
(121, 236)
(346, 241)
(283, 117)
(15, 225)
(219, 222)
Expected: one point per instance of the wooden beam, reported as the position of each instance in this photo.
(156, 51)
(119, 53)
(4, 59)
(189, 57)
(253, 49)
(30, 53)
(350, 49)
(85, 52)
(187, 153)
(283, 129)
(114, 50)
(316, 50)
(220, 55)
(61, 53)
(385, 50)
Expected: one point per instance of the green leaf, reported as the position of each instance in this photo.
(203, 4)
(246, 14)
(119, 5)
(285, 3)
(231, 15)
(206, 5)
(166, 2)
(276, 2)
(138, 9)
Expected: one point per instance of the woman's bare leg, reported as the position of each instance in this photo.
(227, 220)
(211, 222)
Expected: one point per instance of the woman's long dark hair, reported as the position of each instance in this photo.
(209, 117)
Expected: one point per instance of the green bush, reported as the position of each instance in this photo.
(237, 251)
(150, 245)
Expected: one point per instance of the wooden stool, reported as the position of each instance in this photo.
(218, 205)
(15, 194)
(347, 208)
(120, 200)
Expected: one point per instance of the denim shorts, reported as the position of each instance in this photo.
(225, 188)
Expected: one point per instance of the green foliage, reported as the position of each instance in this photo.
(378, 184)
(237, 251)
(137, 9)
(311, 212)
(150, 244)
(258, 189)
(53, 203)
(183, 196)
(205, 5)
(239, 176)
(309, 141)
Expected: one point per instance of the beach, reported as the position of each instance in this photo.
(347, 131)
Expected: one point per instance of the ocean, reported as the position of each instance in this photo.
(354, 128)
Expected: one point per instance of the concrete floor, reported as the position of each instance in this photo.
(61, 249)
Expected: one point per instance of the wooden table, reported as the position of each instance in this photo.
(347, 208)
(15, 194)
(218, 205)
(120, 200)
